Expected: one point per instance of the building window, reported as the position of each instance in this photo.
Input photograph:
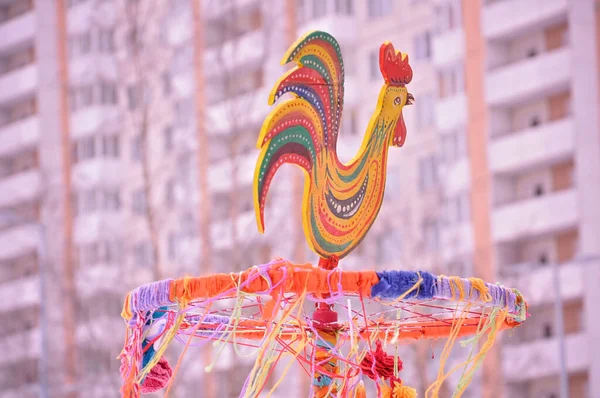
(221, 202)
(319, 8)
(184, 110)
(17, 59)
(301, 11)
(538, 190)
(392, 184)
(344, 7)
(79, 44)
(422, 44)
(451, 81)
(84, 149)
(425, 111)
(18, 162)
(136, 148)
(170, 192)
(172, 246)
(138, 201)
(168, 137)
(142, 254)
(112, 199)
(90, 201)
(379, 8)
(389, 246)
(134, 96)
(430, 235)
(133, 41)
(448, 15)
(453, 146)
(374, 65)
(99, 199)
(108, 93)
(110, 146)
(166, 83)
(99, 93)
(81, 97)
(19, 111)
(457, 209)
(428, 172)
(72, 3)
(548, 331)
(106, 40)
(534, 121)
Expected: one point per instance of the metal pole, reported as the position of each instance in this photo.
(559, 318)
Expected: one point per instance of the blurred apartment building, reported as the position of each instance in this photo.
(517, 116)
(127, 144)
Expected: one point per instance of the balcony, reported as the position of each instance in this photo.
(219, 8)
(219, 116)
(93, 330)
(21, 293)
(18, 83)
(17, 31)
(89, 120)
(12, 347)
(22, 239)
(451, 112)
(533, 280)
(510, 18)
(342, 27)
(92, 279)
(92, 227)
(535, 216)
(85, 14)
(529, 78)
(97, 171)
(456, 176)
(540, 358)
(92, 64)
(457, 240)
(449, 47)
(221, 231)
(543, 145)
(19, 188)
(219, 175)
(246, 50)
(19, 135)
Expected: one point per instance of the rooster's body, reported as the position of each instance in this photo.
(341, 201)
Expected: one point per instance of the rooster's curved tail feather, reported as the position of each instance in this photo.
(302, 130)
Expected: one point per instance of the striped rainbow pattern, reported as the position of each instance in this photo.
(341, 201)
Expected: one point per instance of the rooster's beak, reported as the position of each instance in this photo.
(409, 99)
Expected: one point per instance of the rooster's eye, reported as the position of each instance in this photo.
(397, 101)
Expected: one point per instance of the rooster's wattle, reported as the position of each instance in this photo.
(341, 201)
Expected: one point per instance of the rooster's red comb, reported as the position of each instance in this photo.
(394, 65)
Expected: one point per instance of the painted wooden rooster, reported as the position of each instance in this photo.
(341, 201)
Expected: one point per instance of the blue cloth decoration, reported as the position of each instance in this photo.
(393, 284)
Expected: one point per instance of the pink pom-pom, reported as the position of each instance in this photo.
(158, 377)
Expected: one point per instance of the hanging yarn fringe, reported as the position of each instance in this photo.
(269, 314)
